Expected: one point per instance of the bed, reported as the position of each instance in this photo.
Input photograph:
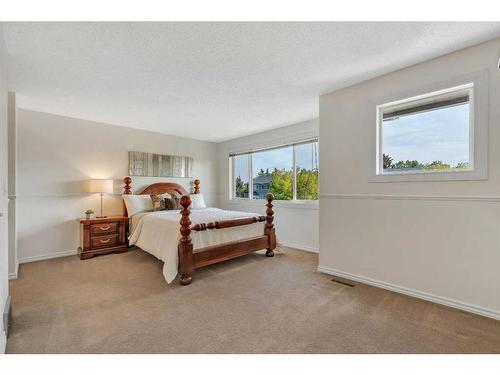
(186, 239)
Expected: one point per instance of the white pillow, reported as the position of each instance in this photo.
(197, 201)
(137, 203)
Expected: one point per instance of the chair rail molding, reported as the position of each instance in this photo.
(460, 198)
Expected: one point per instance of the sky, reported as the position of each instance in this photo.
(435, 135)
(278, 158)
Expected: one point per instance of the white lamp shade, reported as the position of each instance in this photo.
(103, 186)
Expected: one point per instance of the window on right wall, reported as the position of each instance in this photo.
(430, 137)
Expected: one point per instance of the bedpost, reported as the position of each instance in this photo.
(185, 247)
(269, 231)
(197, 186)
(126, 189)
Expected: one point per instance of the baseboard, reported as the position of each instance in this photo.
(414, 293)
(13, 275)
(47, 256)
(299, 247)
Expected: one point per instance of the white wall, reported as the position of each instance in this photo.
(296, 224)
(4, 286)
(435, 240)
(57, 154)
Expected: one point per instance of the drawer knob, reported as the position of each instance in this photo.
(104, 228)
(105, 241)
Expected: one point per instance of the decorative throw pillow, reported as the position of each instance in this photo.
(197, 201)
(173, 203)
(159, 201)
(176, 195)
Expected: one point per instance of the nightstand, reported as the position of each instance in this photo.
(102, 236)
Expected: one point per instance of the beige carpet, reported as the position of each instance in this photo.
(120, 303)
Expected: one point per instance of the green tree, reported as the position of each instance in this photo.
(281, 184)
(263, 173)
(307, 184)
(437, 164)
(241, 188)
(408, 164)
(415, 164)
(387, 161)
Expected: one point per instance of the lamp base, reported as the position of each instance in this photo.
(101, 216)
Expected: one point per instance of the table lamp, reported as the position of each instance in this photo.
(101, 186)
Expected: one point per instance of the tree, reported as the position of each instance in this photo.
(241, 188)
(281, 184)
(307, 184)
(262, 173)
(408, 164)
(437, 164)
(387, 161)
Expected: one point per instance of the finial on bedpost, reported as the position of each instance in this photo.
(185, 247)
(197, 186)
(128, 182)
(270, 231)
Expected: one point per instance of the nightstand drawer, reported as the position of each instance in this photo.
(104, 228)
(103, 241)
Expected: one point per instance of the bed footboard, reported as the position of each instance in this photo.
(188, 261)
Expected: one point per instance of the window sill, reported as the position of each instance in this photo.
(430, 176)
(298, 204)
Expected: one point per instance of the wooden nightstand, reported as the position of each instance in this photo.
(102, 236)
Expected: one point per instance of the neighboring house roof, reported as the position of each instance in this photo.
(262, 179)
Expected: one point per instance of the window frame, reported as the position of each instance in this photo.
(477, 86)
(232, 187)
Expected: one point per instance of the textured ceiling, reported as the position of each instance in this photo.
(212, 81)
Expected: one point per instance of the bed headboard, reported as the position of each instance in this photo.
(158, 188)
(164, 187)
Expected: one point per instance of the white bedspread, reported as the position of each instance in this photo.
(158, 233)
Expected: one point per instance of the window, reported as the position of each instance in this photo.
(307, 171)
(427, 134)
(290, 172)
(275, 168)
(240, 173)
